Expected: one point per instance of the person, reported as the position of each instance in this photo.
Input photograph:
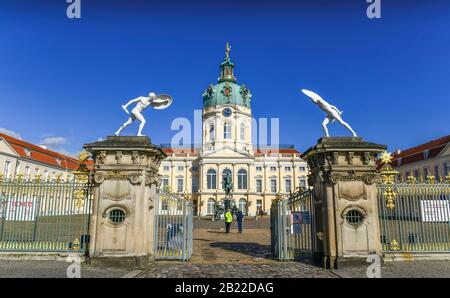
(239, 218)
(228, 220)
(261, 212)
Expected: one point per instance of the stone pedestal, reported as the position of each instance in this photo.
(125, 177)
(343, 175)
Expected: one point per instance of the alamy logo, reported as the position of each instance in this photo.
(74, 269)
(374, 269)
(374, 9)
(74, 9)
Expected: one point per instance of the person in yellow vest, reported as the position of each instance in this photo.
(228, 220)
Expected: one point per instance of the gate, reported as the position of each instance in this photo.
(414, 215)
(292, 226)
(44, 216)
(173, 227)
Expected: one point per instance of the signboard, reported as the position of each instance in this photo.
(23, 209)
(435, 210)
(300, 217)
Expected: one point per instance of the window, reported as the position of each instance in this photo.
(166, 168)
(164, 205)
(27, 172)
(436, 171)
(212, 133)
(165, 183)
(242, 179)
(258, 185)
(302, 168)
(242, 132)
(407, 174)
(116, 216)
(446, 169)
(36, 171)
(242, 206)
(194, 184)
(416, 174)
(180, 184)
(7, 169)
(194, 168)
(354, 217)
(180, 168)
(273, 169)
(288, 185)
(211, 179)
(426, 173)
(302, 182)
(227, 131)
(210, 206)
(46, 175)
(273, 185)
(258, 169)
(287, 169)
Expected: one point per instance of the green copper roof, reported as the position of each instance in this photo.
(227, 91)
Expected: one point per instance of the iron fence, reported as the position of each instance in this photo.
(415, 217)
(292, 226)
(44, 216)
(173, 227)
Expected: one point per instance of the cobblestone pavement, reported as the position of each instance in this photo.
(221, 255)
(404, 269)
(52, 269)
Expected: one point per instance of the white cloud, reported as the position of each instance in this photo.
(10, 133)
(53, 141)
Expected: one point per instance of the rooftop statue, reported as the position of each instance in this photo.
(333, 113)
(158, 102)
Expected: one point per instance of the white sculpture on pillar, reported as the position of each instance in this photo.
(333, 113)
(158, 102)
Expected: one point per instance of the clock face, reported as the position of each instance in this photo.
(227, 112)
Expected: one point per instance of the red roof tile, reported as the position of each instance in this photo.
(40, 154)
(416, 153)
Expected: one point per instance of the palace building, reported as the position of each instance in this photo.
(258, 175)
(18, 157)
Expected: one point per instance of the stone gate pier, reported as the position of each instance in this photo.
(343, 175)
(125, 179)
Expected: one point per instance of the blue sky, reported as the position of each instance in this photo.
(62, 80)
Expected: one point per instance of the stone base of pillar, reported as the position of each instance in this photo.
(125, 178)
(131, 263)
(343, 173)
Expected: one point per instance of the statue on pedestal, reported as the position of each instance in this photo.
(333, 113)
(158, 102)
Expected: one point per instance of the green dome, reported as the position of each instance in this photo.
(226, 91)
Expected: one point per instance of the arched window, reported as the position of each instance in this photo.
(242, 179)
(243, 206)
(211, 204)
(211, 133)
(226, 173)
(242, 131)
(227, 131)
(211, 179)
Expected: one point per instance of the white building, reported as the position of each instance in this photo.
(258, 175)
(20, 157)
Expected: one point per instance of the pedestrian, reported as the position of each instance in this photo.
(239, 218)
(228, 220)
(261, 212)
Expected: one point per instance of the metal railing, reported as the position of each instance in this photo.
(173, 227)
(292, 226)
(44, 216)
(415, 217)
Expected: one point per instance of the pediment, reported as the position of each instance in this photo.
(6, 149)
(229, 153)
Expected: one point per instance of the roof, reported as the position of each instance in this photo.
(258, 152)
(40, 154)
(418, 153)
